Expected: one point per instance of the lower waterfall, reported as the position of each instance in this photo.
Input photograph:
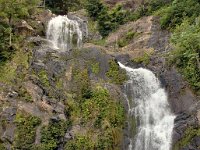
(148, 104)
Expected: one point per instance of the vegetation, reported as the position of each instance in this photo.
(52, 134)
(2, 147)
(108, 20)
(115, 74)
(64, 6)
(82, 87)
(8, 71)
(186, 55)
(95, 68)
(24, 95)
(89, 105)
(43, 76)
(126, 39)
(189, 134)
(79, 143)
(26, 131)
(177, 11)
(145, 58)
(10, 12)
(101, 117)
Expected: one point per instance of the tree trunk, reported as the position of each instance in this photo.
(198, 62)
(10, 25)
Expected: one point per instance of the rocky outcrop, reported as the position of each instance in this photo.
(23, 28)
(147, 37)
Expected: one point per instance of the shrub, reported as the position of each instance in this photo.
(94, 8)
(108, 20)
(80, 143)
(95, 68)
(82, 86)
(51, 135)
(115, 74)
(25, 131)
(189, 134)
(126, 39)
(105, 117)
(186, 55)
(175, 13)
(145, 58)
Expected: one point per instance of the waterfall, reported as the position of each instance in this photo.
(64, 32)
(148, 104)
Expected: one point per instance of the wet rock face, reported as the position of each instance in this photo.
(82, 23)
(183, 103)
(180, 96)
(186, 129)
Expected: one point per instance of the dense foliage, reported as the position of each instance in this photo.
(186, 56)
(175, 13)
(101, 117)
(115, 74)
(26, 131)
(108, 19)
(64, 6)
(52, 134)
(10, 12)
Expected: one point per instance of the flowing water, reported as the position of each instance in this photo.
(148, 104)
(64, 32)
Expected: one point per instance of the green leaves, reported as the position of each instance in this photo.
(186, 39)
(26, 130)
(108, 19)
(175, 13)
(63, 6)
(115, 74)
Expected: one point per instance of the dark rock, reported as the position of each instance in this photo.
(8, 114)
(23, 28)
(196, 141)
(12, 94)
(54, 119)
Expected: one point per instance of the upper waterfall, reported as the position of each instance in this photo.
(148, 104)
(64, 33)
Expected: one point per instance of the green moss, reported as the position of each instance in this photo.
(189, 134)
(25, 131)
(115, 74)
(95, 68)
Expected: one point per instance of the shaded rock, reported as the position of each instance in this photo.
(23, 28)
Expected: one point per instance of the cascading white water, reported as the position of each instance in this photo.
(61, 31)
(148, 104)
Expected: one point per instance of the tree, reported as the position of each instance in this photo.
(11, 11)
(94, 8)
(63, 6)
